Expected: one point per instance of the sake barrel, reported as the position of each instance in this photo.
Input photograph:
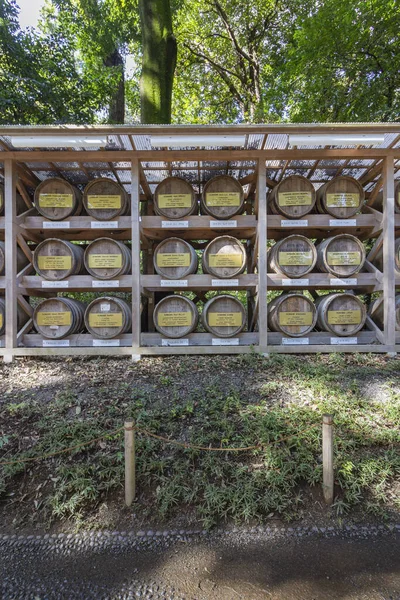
(294, 315)
(104, 199)
(340, 314)
(378, 260)
(224, 257)
(106, 258)
(56, 259)
(293, 197)
(293, 256)
(57, 318)
(174, 259)
(107, 318)
(222, 197)
(175, 198)
(376, 312)
(22, 316)
(342, 197)
(341, 255)
(224, 316)
(56, 199)
(22, 260)
(396, 198)
(175, 316)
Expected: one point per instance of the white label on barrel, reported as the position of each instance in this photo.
(106, 343)
(295, 282)
(222, 224)
(174, 224)
(183, 342)
(105, 307)
(343, 200)
(225, 282)
(56, 224)
(225, 342)
(294, 223)
(104, 224)
(339, 282)
(55, 343)
(108, 283)
(55, 284)
(344, 340)
(342, 222)
(295, 341)
(174, 283)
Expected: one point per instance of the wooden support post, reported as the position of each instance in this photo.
(130, 475)
(389, 312)
(262, 256)
(135, 212)
(10, 205)
(327, 458)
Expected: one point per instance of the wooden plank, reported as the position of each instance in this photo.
(198, 282)
(198, 227)
(388, 254)
(10, 212)
(135, 224)
(83, 341)
(320, 338)
(77, 283)
(198, 339)
(324, 281)
(262, 256)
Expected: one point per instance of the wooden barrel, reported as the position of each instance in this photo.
(175, 316)
(293, 256)
(224, 316)
(107, 318)
(342, 197)
(22, 260)
(376, 312)
(22, 316)
(175, 198)
(293, 197)
(56, 259)
(340, 314)
(396, 198)
(294, 315)
(222, 197)
(341, 255)
(106, 258)
(224, 257)
(378, 260)
(174, 259)
(56, 199)
(104, 199)
(57, 318)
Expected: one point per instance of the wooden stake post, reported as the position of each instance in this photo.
(130, 471)
(327, 458)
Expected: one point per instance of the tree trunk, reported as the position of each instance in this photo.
(159, 60)
(116, 113)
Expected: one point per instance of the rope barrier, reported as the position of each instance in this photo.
(161, 438)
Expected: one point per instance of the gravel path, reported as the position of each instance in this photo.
(285, 563)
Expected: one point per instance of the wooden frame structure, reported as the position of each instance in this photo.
(260, 164)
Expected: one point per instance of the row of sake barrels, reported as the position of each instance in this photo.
(222, 198)
(176, 316)
(223, 257)
(103, 199)
(295, 315)
(295, 196)
(22, 260)
(342, 255)
(105, 318)
(22, 316)
(103, 258)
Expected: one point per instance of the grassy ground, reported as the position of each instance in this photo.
(210, 401)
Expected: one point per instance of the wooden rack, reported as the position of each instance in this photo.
(145, 229)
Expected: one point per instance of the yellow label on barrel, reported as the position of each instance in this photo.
(53, 318)
(225, 260)
(54, 263)
(104, 201)
(174, 319)
(223, 199)
(105, 261)
(105, 320)
(344, 258)
(55, 200)
(1, 320)
(169, 259)
(295, 318)
(175, 200)
(294, 198)
(224, 319)
(344, 317)
(287, 259)
(1, 199)
(343, 200)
